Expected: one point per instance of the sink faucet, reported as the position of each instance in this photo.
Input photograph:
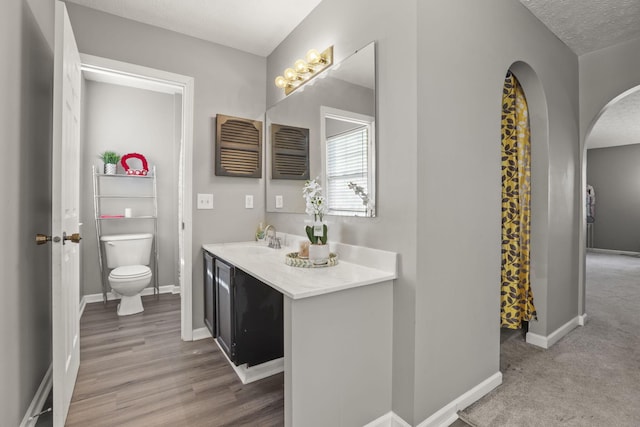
(270, 234)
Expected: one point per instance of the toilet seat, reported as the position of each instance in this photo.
(130, 272)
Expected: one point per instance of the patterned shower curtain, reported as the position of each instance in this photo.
(516, 300)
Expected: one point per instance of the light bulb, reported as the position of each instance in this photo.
(290, 74)
(281, 82)
(313, 56)
(301, 66)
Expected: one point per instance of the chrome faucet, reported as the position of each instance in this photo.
(273, 241)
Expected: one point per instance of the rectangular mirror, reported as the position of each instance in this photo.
(337, 113)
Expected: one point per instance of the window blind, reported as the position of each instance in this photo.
(347, 161)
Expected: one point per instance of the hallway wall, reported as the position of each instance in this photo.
(464, 49)
(614, 173)
(26, 76)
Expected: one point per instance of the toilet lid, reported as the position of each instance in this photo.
(130, 272)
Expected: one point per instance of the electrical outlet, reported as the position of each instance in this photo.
(205, 201)
(279, 202)
(248, 201)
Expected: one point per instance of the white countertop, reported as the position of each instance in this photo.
(269, 266)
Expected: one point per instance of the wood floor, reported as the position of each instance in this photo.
(135, 371)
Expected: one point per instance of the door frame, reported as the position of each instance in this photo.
(185, 190)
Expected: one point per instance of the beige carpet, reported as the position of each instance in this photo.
(589, 378)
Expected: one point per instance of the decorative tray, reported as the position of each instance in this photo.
(294, 260)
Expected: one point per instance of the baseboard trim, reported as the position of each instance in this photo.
(83, 305)
(248, 375)
(613, 251)
(582, 320)
(38, 399)
(449, 413)
(91, 298)
(201, 333)
(390, 419)
(555, 336)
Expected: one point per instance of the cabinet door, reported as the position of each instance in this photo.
(259, 320)
(224, 308)
(209, 294)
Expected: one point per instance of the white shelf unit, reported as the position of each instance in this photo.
(104, 193)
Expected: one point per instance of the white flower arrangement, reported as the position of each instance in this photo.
(316, 205)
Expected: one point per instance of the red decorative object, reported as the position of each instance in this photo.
(129, 171)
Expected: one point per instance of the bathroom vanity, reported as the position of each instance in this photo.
(242, 313)
(337, 329)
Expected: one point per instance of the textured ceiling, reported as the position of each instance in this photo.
(255, 26)
(588, 25)
(619, 124)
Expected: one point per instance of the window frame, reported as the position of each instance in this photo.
(361, 119)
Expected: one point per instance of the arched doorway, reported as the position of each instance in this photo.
(612, 132)
(539, 183)
(516, 296)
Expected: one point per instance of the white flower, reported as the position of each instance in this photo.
(316, 203)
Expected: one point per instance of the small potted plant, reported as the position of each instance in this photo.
(110, 160)
(317, 233)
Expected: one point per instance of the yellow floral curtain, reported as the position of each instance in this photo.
(516, 300)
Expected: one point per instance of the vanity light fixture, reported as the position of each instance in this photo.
(305, 69)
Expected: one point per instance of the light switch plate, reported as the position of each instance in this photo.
(279, 202)
(248, 201)
(205, 201)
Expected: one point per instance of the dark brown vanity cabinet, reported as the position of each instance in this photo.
(209, 293)
(243, 314)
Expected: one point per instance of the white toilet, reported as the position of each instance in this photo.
(128, 255)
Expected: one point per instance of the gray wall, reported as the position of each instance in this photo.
(26, 75)
(129, 120)
(614, 173)
(227, 81)
(349, 26)
(445, 225)
(461, 76)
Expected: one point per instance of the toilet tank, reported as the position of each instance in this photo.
(127, 249)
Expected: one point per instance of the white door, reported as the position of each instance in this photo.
(65, 195)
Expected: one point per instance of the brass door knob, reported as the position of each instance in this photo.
(41, 239)
(75, 237)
